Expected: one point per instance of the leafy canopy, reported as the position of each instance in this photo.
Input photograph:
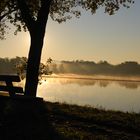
(60, 10)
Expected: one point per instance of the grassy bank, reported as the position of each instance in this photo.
(26, 119)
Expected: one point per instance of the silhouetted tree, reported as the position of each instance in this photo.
(32, 15)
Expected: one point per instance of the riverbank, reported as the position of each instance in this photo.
(22, 119)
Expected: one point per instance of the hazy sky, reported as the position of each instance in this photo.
(92, 37)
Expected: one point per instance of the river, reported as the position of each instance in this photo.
(123, 95)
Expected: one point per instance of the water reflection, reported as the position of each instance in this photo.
(91, 82)
(118, 95)
(77, 81)
(129, 85)
(103, 83)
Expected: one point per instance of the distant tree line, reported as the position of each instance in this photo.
(14, 65)
(18, 66)
(102, 68)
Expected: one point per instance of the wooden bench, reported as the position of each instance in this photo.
(9, 87)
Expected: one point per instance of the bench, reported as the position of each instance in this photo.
(9, 87)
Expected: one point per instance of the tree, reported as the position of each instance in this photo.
(32, 16)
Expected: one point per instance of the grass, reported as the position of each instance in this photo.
(22, 119)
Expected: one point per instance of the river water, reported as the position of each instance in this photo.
(108, 94)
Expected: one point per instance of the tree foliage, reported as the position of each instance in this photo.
(32, 15)
(60, 11)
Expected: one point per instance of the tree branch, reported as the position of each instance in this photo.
(4, 15)
(25, 13)
(43, 13)
(6, 5)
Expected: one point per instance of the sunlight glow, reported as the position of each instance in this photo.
(92, 37)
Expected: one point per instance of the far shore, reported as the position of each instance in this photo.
(96, 77)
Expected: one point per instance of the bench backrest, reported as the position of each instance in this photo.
(8, 79)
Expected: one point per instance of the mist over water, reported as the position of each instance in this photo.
(120, 93)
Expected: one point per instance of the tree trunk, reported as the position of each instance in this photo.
(37, 32)
(34, 62)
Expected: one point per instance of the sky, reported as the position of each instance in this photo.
(91, 37)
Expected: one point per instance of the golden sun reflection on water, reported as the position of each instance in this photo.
(118, 95)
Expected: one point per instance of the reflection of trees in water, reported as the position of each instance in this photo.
(91, 82)
(103, 83)
(84, 82)
(80, 82)
(130, 85)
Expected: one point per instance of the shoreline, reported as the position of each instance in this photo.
(97, 77)
(45, 120)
